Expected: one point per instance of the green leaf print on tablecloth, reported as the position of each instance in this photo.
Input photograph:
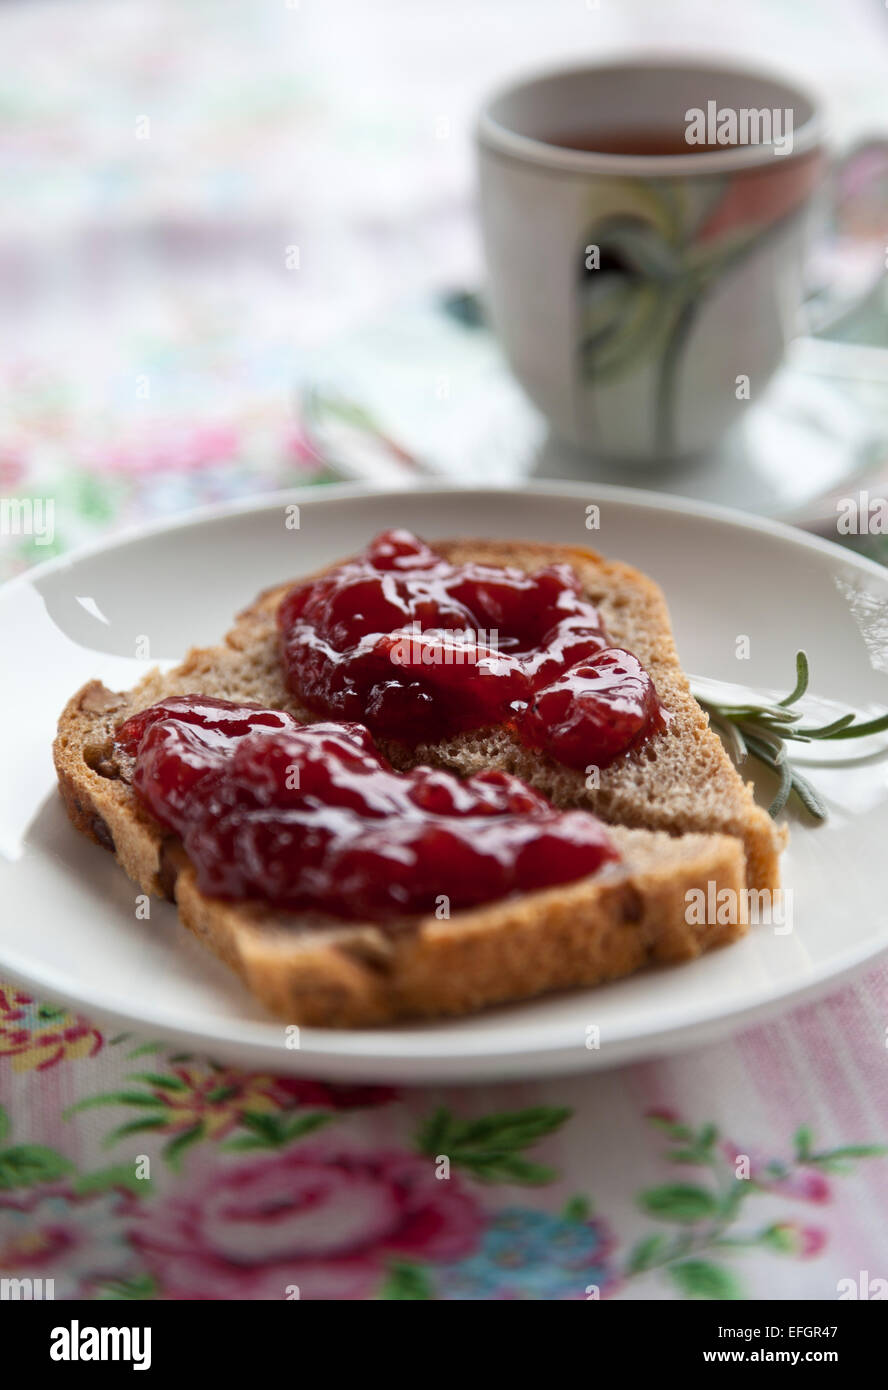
(259, 1139)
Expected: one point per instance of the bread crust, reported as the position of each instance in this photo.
(315, 970)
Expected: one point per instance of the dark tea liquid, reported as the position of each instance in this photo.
(629, 141)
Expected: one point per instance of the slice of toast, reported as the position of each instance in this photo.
(312, 970)
(320, 971)
(679, 781)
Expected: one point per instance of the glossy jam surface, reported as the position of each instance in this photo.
(417, 648)
(311, 816)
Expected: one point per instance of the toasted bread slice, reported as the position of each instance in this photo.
(681, 781)
(315, 970)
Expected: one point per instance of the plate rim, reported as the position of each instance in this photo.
(469, 1066)
(642, 499)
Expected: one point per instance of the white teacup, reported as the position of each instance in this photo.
(644, 298)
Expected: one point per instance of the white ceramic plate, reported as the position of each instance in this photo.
(69, 930)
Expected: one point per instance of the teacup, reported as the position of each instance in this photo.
(646, 226)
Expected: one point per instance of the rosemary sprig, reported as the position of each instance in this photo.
(762, 731)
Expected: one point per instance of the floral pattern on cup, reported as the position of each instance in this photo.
(653, 251)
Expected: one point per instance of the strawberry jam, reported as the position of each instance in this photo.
(311, 816)
(417, 649)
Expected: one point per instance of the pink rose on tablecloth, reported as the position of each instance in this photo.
(185, 448)
(327, 1221)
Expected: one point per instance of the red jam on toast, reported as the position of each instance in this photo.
(418, 649)
(312, 817)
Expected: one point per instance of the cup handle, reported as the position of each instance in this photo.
(850, 261)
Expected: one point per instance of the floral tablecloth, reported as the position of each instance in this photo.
(196, 198)
(751, 1169)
